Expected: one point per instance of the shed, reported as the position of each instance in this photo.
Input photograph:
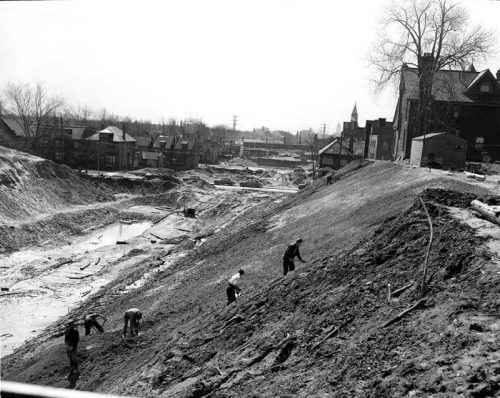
(438, 149)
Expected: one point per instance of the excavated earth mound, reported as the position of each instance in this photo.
(333, 328)
(31, 186)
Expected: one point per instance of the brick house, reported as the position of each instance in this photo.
(465, 104)
(380, 138)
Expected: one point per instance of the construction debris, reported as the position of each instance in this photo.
(491, 213)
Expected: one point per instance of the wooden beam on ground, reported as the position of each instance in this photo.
(333, 332)
(397, 292)
(491, 213)
(418, 304)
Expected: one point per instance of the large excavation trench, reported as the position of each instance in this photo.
(45, 281)
(40, 284)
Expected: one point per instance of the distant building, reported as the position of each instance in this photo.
(465, 104)
(335, 155)
(353, 135)
(151, 159)
(11, 133)
(380, 138)
(62, 144)
(439, 150)
(111, 148)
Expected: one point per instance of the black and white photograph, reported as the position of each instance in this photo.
(249, 198)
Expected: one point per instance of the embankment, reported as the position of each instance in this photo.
(324, 331)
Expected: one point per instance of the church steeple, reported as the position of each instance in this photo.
(354, 114)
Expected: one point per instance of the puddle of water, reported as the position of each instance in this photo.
(118, 232)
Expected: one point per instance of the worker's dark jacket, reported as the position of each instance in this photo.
(71, 337)
(291, 252)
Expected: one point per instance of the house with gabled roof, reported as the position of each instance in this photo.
(464, 103)
(335, 155)
(112, 148)
(11, 133)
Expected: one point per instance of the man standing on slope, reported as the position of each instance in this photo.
(133, 315)
(90, 320)
(233, 287)
(71, 339)
(291, 252)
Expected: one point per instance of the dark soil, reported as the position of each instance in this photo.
(319, 332)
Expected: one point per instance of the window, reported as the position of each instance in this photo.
(59, 144)
(479, 143)
(76, 145)
(343, 162)
(59, 156)
(485, 88)
(110, 160)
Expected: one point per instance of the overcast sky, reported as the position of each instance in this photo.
(284, 64)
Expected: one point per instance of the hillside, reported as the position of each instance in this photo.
(363, 232)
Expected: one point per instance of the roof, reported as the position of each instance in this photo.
(449, 85)
(434, 135)
(76, 132)
(118, 135)
(168, 142)
(143, 141)
(326, 147)
(150, 155)
(14, 125)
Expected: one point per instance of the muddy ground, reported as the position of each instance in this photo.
(324, 330)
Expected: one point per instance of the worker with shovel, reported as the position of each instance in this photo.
(291, 252)
(233, 290)
(91, 321)
(71, 339)
(133, 316)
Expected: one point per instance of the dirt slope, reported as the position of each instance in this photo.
(30, 186)
(361, 233)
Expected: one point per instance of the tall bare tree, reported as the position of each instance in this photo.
(426, 35)
(80, 115)
(34, 106)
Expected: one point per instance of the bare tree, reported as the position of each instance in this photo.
(80, 115)
(426, 35)
(312, 144)
(34, 107)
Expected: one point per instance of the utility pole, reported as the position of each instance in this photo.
(98, 156)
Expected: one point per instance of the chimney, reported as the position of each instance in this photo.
(426, 69)
(381, 122)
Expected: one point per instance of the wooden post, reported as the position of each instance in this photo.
(426, 261)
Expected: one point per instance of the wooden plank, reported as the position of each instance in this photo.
(418, 304)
